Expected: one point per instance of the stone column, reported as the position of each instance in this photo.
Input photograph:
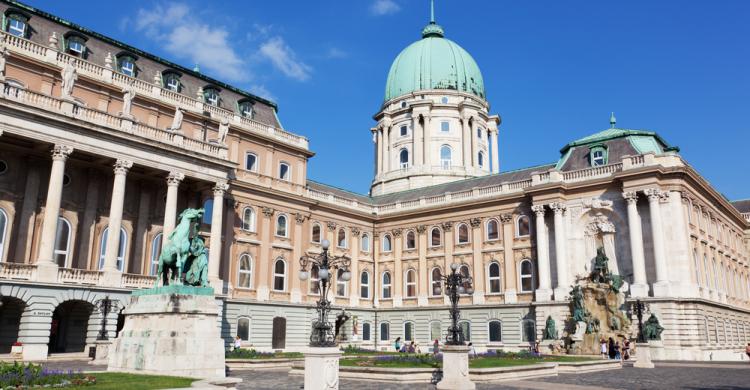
(476, 246)
(495, 151)
(510, 273)
(354, 268)
(115, 217)
(474, 148)
(661, 287)
(297, 239)
(379, 147)
(416, 139)
(544, 291)
(266, 254)
(28, 212)
(170, 207)
(562, 288)
(398, 269)
(46, 267)
(427, 133)
(679, 255)
(387, 148)
(214, 251)
(141, 253)
(466, 137)
(424, 274)
(86, 231)
(639, 288)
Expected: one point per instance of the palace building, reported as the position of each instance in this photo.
(103, 144)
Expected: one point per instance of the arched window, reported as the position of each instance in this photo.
(3, 230)
(120, 250)
(709, 280)
(243, 328)
(245, 279)
(279, 275)
(156, 244)
(495, 331)
(598, 156)
(314, 280)
(315, 237)
(410, 282)
(248, 219)
(408, 331)
(493, 231)
(341, 285)
(364, 285)
(341, 238)
(411, 240)
(385, 331)
(387, 243)
(386, 285)
(522, 226)
(465, 327)
(446, 157)
(365, 242)
(435, 282)
(463, 233)
(494, 277)
(480, 159)
(281, 230)
(435, 237)
(285, 171)
(527, 276)
(366, 331)
(403, 158)
(436, 330)
(464, 270)
(208, 210)
(251, 162)
(62, 243)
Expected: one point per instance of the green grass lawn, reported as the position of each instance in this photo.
(426, 361)
(121, 381)
(395, 363)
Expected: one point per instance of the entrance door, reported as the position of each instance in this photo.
(278, 339)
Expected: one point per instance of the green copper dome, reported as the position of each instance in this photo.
(434, 62)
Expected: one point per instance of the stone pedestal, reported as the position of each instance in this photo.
(34, 352)
(322, 368)
(171, 330)
(638, 290)
(456, 369)
(102, 352)
(561, 293)
(643, 356)
(543, 295)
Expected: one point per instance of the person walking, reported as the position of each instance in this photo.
(436, 347)
(237, 343)
(611, 348)
(617, 350)
(626, 350)
(397, 344)
(747, 350)
(603, 348)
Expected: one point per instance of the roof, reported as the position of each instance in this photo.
(743, 205)
(639, 135)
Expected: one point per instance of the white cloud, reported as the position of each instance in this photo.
(335, 53)
(284, 59)
(384, 7)
(262, 91)
(185, 36)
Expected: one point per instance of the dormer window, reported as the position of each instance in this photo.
(171, 81)
(75, 44)
(16, 24)
(211, 96)
(598, 156)
(245, 108)
(126, 65)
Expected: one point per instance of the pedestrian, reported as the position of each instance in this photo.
(611, 348)
(436, 347)
(626, 350)
(412, 348)
(617, 350)
(237, 343)
(472, 351)
(536, 349)
(603, 348)
(747, 350)
(397, 344)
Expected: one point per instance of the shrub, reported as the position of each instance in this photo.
(22, 376)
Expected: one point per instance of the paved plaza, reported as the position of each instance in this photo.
(723, 376)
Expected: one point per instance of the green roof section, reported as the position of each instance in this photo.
(642, 140)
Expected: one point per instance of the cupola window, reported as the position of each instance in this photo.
(445, 157)
(245, 108)
(403, 158)
(480, 159)
(171, 81)
(16, 24)
(598, 156)
(445, 127)
(126, 65)
(403, 104)
(211, 96)
(444, 100)
(404, 130)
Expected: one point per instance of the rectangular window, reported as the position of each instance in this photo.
(76, 47)
(284, 171)
(445, 127)
(17, 27)
(278, 283)
(365, 332)
(251, 162)
(404, 130)
(128, 68)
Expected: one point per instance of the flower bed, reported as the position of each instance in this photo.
(242, 353)
(351, 350)
(24, 376)
(492, 358)
(395, 361)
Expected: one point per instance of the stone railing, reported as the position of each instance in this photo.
(138, 281)
(17, 271)
(746, 216)
(106, 74)
(78, 276)
(591, 173)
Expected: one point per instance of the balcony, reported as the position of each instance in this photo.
(75, 276)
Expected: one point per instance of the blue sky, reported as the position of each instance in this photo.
(553, 69)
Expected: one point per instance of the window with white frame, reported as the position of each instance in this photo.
(523, 227)
(16, 24)
(387, 247)
(410, 283)
(3, 231)
(436, 237)
(385, 331)
(285, 171)
(281, 228)
(403, 158)
(598, 156)
(366, 331)
(315, 235)
(408, 331)
(171, 81)
(463, 233)
(245, 108)
(211, 96)
(365, 242)
(314, 280)
(156, 244)
(76, 45)
(341, 242)
(404, 130)
(411, 241)
(465, 327)
(62, 243)
(279, 275)
(445, 126)
(341, 284)
(245, 277)
(386, 285)
(120, 251)
(243, 328)
(480, 159)
(495, 331)
(494, 277)
(364, 285)
(493, 230)
(446, 157)
(527, 276)
(126, 65)
(436, 330)
(251, 162)
(248, 219)
(435, 282)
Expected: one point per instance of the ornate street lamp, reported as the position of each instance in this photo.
(322, 332)
(455, 284)
(105, 306)
(639, 308)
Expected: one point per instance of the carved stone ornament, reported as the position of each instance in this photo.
(174, 178)
(397, 232)
(652, 193)
(596, 203)
(557, 207)
(299, 217)
(447, 226)
(69, 77)
(267, 211)
(355, 231)
(538, 210)
(599, 224)
(475, 222)
(61, 152)
(506, 218)
(630, 196)
(122, 166)
(176, 120)
(331, 225)
(220, 188)
(421, 229)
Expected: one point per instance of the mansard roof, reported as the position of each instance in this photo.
(743, 205)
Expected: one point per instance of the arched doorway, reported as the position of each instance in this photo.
(70, 322)
(278, 338)
(10, 319)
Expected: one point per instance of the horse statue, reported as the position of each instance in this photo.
(177, 249)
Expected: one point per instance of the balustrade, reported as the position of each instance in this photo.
(17, 271)
(78, 276)
(138, 281)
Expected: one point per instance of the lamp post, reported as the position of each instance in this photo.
(105, 306)
(322, 332)
(639, 307)
(455, 284)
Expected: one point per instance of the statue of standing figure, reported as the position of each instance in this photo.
(600, 273)
(177, 120)
(550, 331)
(128, 94)
(579, 312)
(69, 77)
(652, 329)
(223, 131)
(3, 57)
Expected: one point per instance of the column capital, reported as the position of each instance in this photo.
(447, 226)
(421, 229)
(61, 152)
(355, 231)
(558, 207)
(300, 218)
(652, 193)
(506, 218)
(122, 166)
(475, 222)
(220, 188)
(630, 196)
(174, 178)
(331, 225)
(397, 232)
(538, 209)
(267, 211)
